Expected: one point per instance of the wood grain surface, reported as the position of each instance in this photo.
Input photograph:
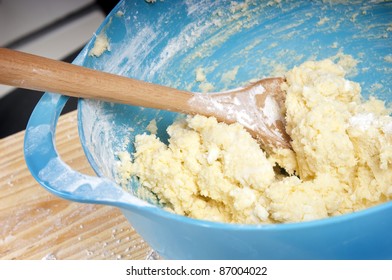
(34, 224)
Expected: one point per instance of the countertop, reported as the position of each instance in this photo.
(34, 224)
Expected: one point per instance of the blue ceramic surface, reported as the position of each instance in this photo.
(165, 43)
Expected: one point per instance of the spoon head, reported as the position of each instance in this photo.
(270, 114)
(259, 107)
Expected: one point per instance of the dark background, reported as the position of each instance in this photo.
(16, 107)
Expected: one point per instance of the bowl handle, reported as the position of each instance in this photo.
(55, 175)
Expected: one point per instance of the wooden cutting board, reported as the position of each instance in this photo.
(34, 224)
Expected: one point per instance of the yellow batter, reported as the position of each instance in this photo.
(341, 159)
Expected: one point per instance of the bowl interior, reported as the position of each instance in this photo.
(231, 43)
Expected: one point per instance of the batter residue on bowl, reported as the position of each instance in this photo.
(341, 159)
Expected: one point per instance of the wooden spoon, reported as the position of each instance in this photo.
(258, 107)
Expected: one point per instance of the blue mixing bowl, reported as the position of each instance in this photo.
(165, 42)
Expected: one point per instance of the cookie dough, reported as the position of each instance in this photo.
(101, 45)
(341, 159)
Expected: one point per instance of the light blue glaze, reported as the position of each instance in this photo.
(164, 43)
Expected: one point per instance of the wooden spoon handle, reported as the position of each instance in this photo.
(38, 73)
